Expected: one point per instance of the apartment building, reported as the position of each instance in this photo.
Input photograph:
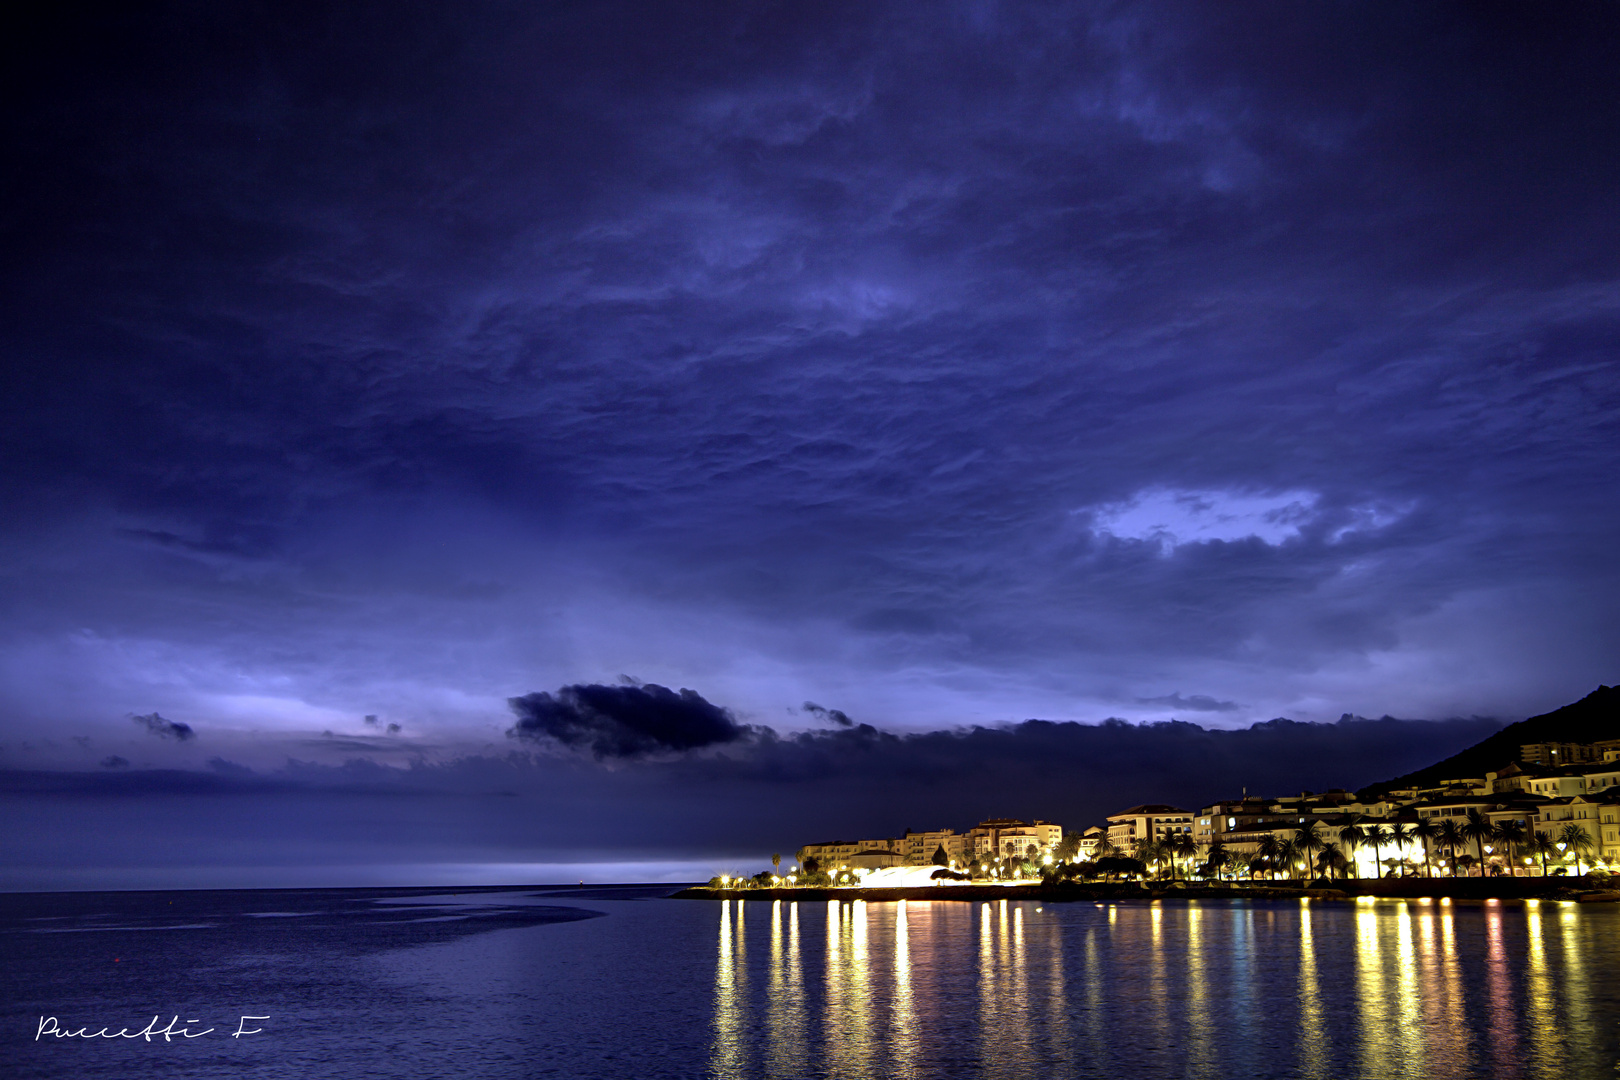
(1554, 754)
(924, 848)
(1000, 838)
(995, 837)
(1152, 821)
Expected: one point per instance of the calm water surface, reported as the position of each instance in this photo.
(622, 983)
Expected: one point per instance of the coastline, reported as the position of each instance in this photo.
(1464, 889)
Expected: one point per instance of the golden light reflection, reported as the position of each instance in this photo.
(1200, 1052)
(1460, 1039)
(1376, 1060)
(1411, 1034)
(987, 989)
(1016, 979)
(835, 1038)
(903, 1031)
(1546, 1040)
(1312, 1038)
(860, 992)
(785, 1007)
(1503, 1037)
(1006, 1038)
(1156, 981)
(1573, 994)
(1440, 1006)
(727, 1057)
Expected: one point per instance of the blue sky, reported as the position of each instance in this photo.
(946, 367)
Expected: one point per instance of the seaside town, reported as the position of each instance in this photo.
(1553, 812)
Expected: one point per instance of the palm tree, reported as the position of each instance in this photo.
(1217, 859)
(1184, 846)
(1451, 838)
(1511, 834)
(1478, 828)
(1541, 843)
(1424, 833)
(1145, 850)
(1287, 855)
(1400, 834)
(1308, 839)
(1351, 836)
(1269, 852)
(1377, 837)
(1574, 837)
(1331, 858)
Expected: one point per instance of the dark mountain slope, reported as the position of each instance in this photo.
(1596, 716)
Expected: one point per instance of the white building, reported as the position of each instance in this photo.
(1151, 821)
(1001, 838)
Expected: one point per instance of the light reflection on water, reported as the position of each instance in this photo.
(1311, 1032)
(1012, 989)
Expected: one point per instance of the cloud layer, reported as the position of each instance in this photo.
(952, 364)
(725, 806)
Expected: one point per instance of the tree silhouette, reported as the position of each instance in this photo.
(1542, 844)
(1425, 833)
(1184, 846)
(1268, 853)
(1511, 834)
(1400, 835)
(1451, 838)
(1308, 839)
(1478, 828)
(1351, 836)
(1378, 836)
(1576, 841)
(1332, 858)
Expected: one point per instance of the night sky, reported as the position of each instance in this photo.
(469, 441)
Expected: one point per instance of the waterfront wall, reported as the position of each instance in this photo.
(1564, 888)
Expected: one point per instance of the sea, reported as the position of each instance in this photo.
(626, 982)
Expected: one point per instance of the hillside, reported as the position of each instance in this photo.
(1596, 716)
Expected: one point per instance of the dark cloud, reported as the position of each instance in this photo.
(956, 363)
(763, 794)
(113, 761)
(1195, 703)
(835, 716)
(165, 729)
(624, 721)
